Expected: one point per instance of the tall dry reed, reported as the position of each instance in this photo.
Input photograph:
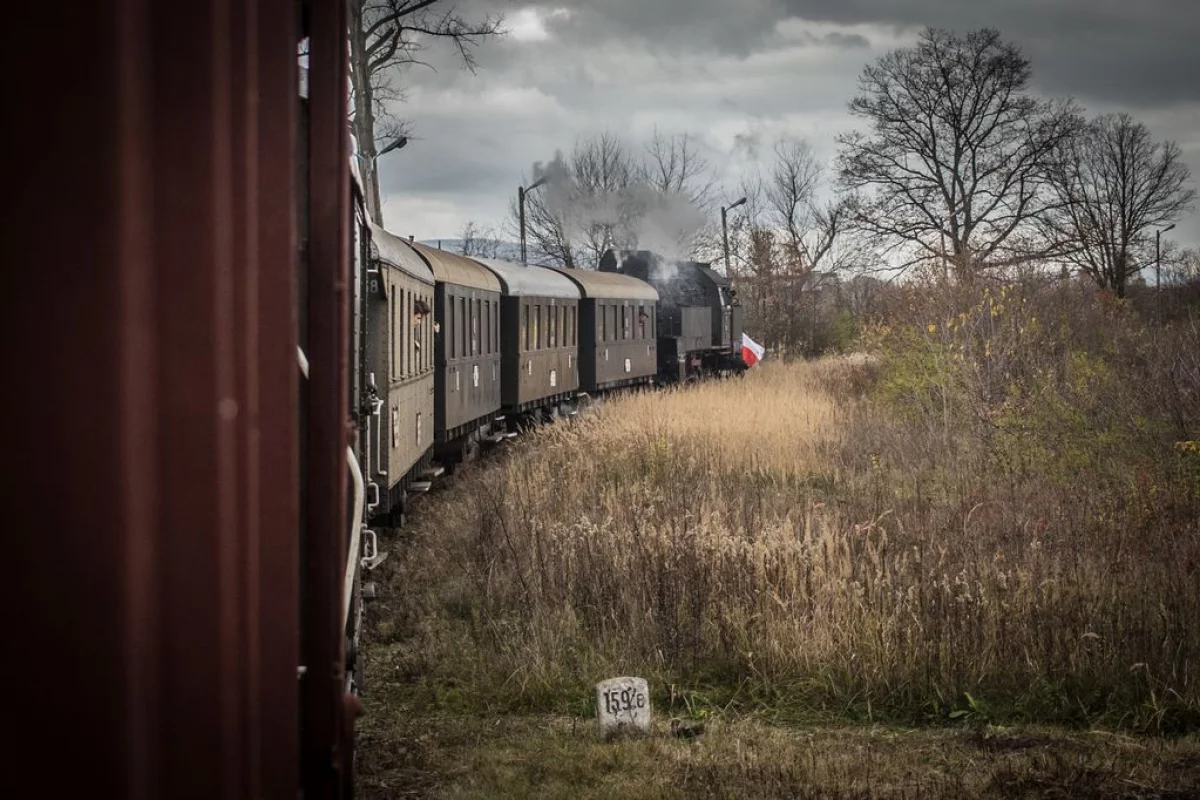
(780, 542)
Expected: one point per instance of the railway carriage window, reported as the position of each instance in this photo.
(525, 327)
(574, 327)
(496, 325)
(612, 322)
(451, 332)
(463, 325)
(402, 300)
(418, 328)
(477, 328)
(392, 331)
(603, 329)
(537, 327)
(552, 327)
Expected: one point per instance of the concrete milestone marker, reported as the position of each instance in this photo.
(623, 706)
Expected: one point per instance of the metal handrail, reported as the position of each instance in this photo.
(356, 520)
(355, 532)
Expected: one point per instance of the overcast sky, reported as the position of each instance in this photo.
(738, 73)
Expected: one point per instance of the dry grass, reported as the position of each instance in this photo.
(777, 547)
(559, 757)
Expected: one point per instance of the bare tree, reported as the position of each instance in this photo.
(955, 165)
(603, 171)
(475, 240)
(386, 35)
(673, 165)
(469, 238)
(814, 230)
(678, 175)
(1114, 185)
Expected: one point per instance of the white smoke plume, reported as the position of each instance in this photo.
(613, 207)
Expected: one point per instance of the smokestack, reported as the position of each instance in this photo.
(411, 237)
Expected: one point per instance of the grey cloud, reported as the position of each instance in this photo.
(1141, 53)
(738, 74)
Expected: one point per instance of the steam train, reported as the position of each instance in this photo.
(453, 354)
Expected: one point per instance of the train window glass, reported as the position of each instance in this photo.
(612, 323)
(477, 326)
(552, 327)
(496, 325)
(451, 332)
(414, 333)
(471, 328)
(602, 325)
(525, 327)
(537, 327)
(464, 325)
(402, 297)
(574, 326)
(418, 329)
(392, 331)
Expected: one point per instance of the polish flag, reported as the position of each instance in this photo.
(752, 351)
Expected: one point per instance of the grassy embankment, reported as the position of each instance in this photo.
(867, 579)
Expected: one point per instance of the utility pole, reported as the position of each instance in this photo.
(521, 192)
(725, 231)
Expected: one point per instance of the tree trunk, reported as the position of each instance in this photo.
(364, 112)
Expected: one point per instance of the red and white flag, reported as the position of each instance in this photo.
(752, 351)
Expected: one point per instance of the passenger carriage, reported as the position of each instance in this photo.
(617, 329)
(467, 352)
(539, 334)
